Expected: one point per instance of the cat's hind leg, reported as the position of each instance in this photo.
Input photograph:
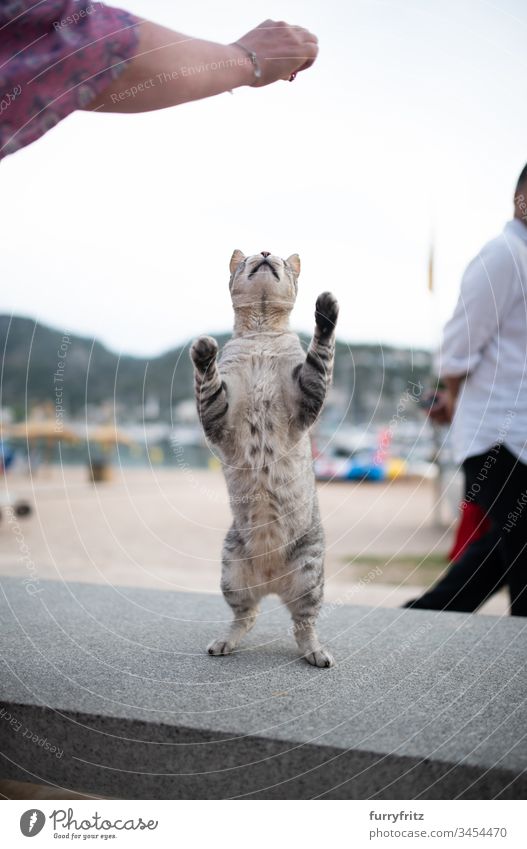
(304, 621)
(304, 600)
(243, 600)
(244, 617)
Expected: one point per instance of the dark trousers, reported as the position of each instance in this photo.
(497, 482)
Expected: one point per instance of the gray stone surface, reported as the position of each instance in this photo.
(420, 704)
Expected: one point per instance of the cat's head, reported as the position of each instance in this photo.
(264, 280)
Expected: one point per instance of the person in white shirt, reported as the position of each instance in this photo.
(483, 364)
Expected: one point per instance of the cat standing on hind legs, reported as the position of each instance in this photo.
(257, 405)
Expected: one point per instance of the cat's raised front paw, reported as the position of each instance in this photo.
(203, 351)
(326, 313)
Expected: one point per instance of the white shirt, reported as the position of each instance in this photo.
(486, 338)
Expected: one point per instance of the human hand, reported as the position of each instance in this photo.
(441, 410)
(281, 50)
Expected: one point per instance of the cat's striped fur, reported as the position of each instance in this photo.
(256, 406)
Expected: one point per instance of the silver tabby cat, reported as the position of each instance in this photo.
(256, 406)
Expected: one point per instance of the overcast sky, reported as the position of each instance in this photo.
(413, 118)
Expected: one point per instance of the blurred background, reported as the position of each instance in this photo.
(386, 168)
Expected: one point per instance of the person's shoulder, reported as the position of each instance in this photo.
(501, 246)
(499, 253)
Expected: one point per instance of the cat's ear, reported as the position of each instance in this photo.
(294, 262)
(236, 258)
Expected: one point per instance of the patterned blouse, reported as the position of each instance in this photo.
(55, 57)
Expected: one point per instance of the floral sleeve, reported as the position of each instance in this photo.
(55, 57)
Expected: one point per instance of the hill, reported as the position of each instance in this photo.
(38, 361)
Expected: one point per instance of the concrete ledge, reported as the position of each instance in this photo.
(116, 680)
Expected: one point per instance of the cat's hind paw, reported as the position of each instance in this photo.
(220, 647)
(321, 658)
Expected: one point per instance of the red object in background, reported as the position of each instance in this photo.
(473, 525)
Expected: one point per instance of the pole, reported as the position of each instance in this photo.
(438, 488)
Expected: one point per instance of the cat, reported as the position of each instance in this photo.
(256, 406)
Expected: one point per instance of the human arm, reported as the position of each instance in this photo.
(485, 296)
(442, 409)
(169, 68)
